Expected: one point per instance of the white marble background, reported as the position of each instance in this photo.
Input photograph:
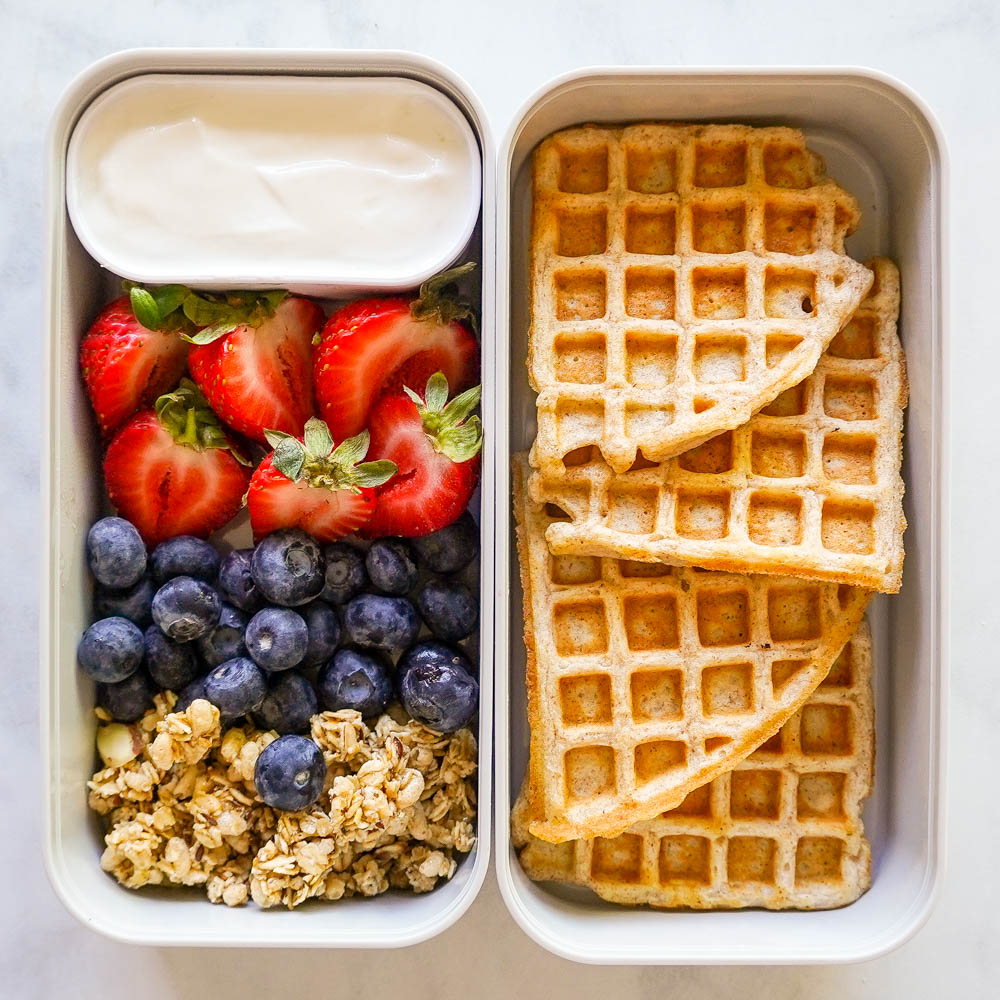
(947, 51)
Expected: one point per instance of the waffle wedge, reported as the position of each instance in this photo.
(645, 681)
(682, 277)
(783, 830)
(809, 487)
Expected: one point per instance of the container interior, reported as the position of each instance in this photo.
(878, 145)
(79, 287)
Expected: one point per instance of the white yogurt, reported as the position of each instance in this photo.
(322, 184)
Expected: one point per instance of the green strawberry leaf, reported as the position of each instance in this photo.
(461, 443)
(169, 298)
(289, 458)
(319, 443)
(352, 450)
(460, 407)
(208, 334)
(274, 438)
(185, 413)
(372, 474)
(144, 307)
(436, 393)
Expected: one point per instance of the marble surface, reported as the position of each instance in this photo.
(947, 52)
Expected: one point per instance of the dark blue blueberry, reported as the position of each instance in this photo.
(277, 638)
(194, 691)
(186, 608)
(449, 609)
(236, 583)
(172, 665)
(184, 555)
(290, 773)
(225, 640)
(450, 549)
(110, 650)
(289, 704)
(288, 567)
(116, 553)
(353, 679)
(390, 566)
(383, 622)
(346, 576)
(436, 686)
(324, 632)
(236, 687)
(134, 603)
(127, 700)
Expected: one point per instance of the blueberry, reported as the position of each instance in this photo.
(172, 665)
(116, 553)
(236, 687)
(110, 650)
(324, 632)
(449, 609)
(436, 686)
(450, 549)
(194, 691)
(236, 584)
(184, 555)
(134, 603)
(127, 700)
(390, 566)
(288, 567)
(353, 679)
(346, 576)
(277, 638)
(290, 773)
(289, 704)
(226, 639)
(383, 622)
(186, 608)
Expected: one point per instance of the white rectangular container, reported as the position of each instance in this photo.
(75, 288)
(882, 144)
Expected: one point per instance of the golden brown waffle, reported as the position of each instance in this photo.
(645, 681)
(682, 277)
(783, 830)
(809, 487)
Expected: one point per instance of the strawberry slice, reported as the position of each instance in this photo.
(257, 375)
(375, 346)
(172, 470)
(311, 485)
(436, 446)
(126, 366)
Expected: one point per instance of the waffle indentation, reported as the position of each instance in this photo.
(650, 230)
(711, 458)
(787, 166)
(643, 423)
(856, 341)
(818, 859)
(789, 229)
(651, 171)
(684, 858)
(585, 699)
(656, 695)
(583, 171)
(650, 358)
(632, 510)
(617, 859)
(777, 456)
(751, 859)
(696, 803)
(820, 795)
(580, 357)
(794, 613)
(574, 570)
(791, 403)
(825, 730)
(723, 617)
(581, 294)
(578, 418)
(755, 794)
(650, 292)
(720, 359)
(720, 164)
(849, 398)
(789, 293)
(702, 513)
(580, 628)
(727, 689)
(841, 674)
(718, 228)
(642, 570)
(590, 773)
(774, 519)
(651, 622)
(782, 671)
(656, 758)
(849, 458)
(848, 527)
(719, 292)
(777, 346)
(582, 233)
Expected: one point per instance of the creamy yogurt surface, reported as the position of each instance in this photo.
(364, 181)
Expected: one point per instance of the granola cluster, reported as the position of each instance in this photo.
(399, 802)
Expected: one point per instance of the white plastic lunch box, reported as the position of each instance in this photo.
(882, 144)
(75, 288)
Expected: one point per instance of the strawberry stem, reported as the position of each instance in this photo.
(448, 425)
(439, 301)
(191, 422)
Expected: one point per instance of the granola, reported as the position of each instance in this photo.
(398, 804)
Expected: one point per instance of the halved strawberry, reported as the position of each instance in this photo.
(436, 446)
(376, 346)
(257, 376)
(172, 470)
(311, 485)
(126, 366)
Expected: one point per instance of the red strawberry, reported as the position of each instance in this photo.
(172, 470)
(311, 485)
(437, 451)
(126, 366)
(376, 346)
(258, 377)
